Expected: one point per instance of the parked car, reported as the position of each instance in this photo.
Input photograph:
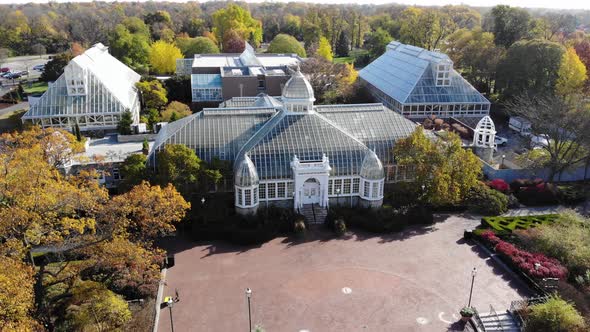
(12, 76)
(24, 73)
(500, 141)
(39, 68)
(539, 141)
(5, 74)
(4, 70)
(521, 125)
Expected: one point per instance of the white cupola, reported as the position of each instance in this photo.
(298, 94)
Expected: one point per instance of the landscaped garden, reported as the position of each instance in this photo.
(545, 246)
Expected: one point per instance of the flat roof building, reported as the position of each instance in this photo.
(417, 83)
(93, 92)
(219, 77)
(289, 152)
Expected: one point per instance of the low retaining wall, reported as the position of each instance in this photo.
(135, 138)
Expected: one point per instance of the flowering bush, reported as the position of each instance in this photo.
(524, 260)
(499, 185)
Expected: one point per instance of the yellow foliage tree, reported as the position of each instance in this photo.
(174, 111)
(16, 296)
(325, 50)
(571, 74)
(163, 57)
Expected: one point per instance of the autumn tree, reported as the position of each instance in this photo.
(582, 48)
(324, 49)
(153, 94)
(16, 296)
(571, 75)
(445, 170)
(175, 111)
(233, 42)
(424, 28)
(198, 45)
(94, 306)
(283, 43)
(331, 82)
(238, 19)
(163, 57)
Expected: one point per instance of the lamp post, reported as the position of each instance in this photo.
(338, 196)
(203, 201)
(170, 301)
(502, 164)
(473, 274)
(248, 295)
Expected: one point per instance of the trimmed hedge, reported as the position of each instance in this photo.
(382, 220)
(520, 222)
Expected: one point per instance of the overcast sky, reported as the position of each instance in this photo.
(566, 4)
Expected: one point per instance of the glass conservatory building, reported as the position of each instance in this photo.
(288, 152)
(93, 92)
(417, 83)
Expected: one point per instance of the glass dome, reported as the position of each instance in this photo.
(246, 175)
(298, 87)
(372, 169)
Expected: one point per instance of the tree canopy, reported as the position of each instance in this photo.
(571, 75)
(284, 43)
(163, 57)
(198, 45)
(233, 17)
(324, 49)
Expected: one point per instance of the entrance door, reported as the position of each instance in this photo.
(311, 192)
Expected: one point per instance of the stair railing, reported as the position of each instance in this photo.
(494, 314)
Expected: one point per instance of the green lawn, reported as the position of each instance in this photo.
(522, 222)
(344, 59)
(35, 88)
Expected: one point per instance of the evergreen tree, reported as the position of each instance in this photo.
(124, 125)
(342, 47)
(77, 132)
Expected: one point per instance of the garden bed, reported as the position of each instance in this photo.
(510, 224)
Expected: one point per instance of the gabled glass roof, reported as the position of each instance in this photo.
(405, 73)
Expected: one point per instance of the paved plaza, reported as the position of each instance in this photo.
(413, 281)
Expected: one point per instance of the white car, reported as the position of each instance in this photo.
(539, 141)
(500, 141)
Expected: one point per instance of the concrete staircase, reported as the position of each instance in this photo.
(500, 322)
(314, 214)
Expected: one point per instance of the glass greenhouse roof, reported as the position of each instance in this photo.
(406, 73)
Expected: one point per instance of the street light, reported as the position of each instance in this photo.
(170, 301)
(338, 196)
(502, 164)
(248, 295)
(473, 274)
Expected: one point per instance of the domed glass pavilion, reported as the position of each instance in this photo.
(287, 151)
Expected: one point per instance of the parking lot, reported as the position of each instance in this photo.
(23, 63)
(417, 280)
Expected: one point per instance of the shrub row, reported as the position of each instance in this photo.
(534, 192)
(381, 220)
(519, 222)
(524, 260)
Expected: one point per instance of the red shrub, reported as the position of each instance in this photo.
(524, 260)
(499, 185)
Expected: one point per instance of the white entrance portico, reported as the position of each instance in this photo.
(310, 182)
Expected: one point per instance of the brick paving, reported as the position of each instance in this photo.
(412, 281)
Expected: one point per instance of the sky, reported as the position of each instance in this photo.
(564, 4)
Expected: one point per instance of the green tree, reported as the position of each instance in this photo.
(343, 45)
(93, 306)
(571, 75)
(377, 42)
(510, 24)
(424, 28)
(133, 171)
(474, 53)
(236, 18)
(530, 66)
(179, 165)
(554, 315)
(198, 45)
(153, 94)
(446, 171)
(324, 49)
(55, 67)
(163, 57)
(130, 43)
(124, 125)
(283, 43)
